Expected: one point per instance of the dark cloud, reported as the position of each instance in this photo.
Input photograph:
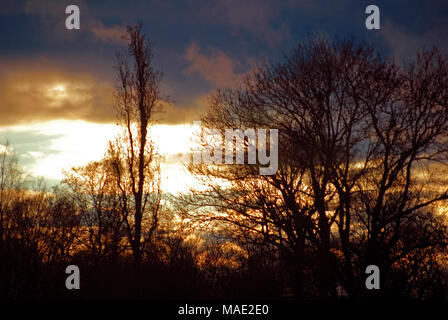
(254, 17)
(404, 44)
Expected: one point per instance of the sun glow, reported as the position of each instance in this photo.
(72, 143)
(60, 88)
(175, 143)
(58, 91)
(75, 143)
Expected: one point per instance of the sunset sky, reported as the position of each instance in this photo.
(56, 103)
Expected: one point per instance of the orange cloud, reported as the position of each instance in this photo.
(215, 66)
(108, 34)
(173, 114)
(32, 93)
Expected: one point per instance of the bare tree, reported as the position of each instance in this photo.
(354, 132)
(59, 226)
(134, 157)
(11, 182)
(399, 194)
(94, 192)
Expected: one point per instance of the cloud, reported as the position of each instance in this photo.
(11, 7)
(108, 34)
(30, 144)
(46, 148)
(404, 44)
(32, 93)
(215, 66)
(322, 8)
(47, 7)
(173, 114)
(252, 16)
(52, 16)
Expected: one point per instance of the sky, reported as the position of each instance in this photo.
(56, 85)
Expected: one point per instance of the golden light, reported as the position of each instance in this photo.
(442, 210)
(77, 142)
(59, 88)
(59, 91)
(174, 143)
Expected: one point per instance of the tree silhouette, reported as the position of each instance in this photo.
(356, 132)
(361, 181)
(135, 160)
(94, 192)
(11, 181)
